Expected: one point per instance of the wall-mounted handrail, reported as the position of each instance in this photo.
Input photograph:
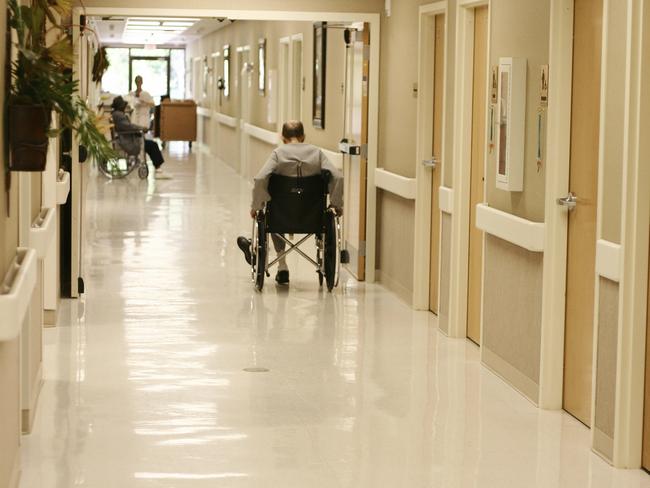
(62, 187)
(516, 230)
(224, 119)
(16, 293)
(397, 184)
(265, 135)
(42, 232)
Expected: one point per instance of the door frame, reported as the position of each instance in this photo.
(462, 167)
(286, 66)
(373, 20)
(424, 137)
(635, 225)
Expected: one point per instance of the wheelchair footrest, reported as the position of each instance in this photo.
(345, 256)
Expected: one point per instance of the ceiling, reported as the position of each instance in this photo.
(142, 30)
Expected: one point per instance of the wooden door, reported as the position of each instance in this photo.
(583, 182)
(479, 106)
(438, 92)
(356, 167)
(645, 461)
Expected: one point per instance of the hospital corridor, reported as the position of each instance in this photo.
(325, 243)
(149, 381)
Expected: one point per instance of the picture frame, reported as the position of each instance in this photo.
(319, 74)
(261, 63)
(226, 70)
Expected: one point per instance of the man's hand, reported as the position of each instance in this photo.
(337, 211)
(253, 213)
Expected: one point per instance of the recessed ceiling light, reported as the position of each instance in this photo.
(167, 19)
(143, 22)
(178, 24)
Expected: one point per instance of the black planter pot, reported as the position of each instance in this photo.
(28, 126)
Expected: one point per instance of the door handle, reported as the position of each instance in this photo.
(430, 163)
(569, 202)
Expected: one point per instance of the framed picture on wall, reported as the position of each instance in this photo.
(320, 56)
(261, 63)
(226, 70)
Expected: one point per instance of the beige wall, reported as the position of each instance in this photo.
(520, 28)
(395, 243)
(512, 312)
(606, 365)
(9, 352)
(512, 280)
(248, 33)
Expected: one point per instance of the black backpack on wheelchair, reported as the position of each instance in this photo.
(298, 205)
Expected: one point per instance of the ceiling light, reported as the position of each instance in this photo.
(167, 19)
(156, 28)
(143, 22)
(178, 24)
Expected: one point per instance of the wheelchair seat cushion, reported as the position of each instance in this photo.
(130, 143)
(297, 204)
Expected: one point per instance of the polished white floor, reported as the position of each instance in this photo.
(145, 383)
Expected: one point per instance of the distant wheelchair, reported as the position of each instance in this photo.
(299, 205)
(127, 161)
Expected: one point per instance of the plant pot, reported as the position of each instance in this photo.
(28, 139)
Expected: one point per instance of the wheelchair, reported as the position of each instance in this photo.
(298, 205)
(126, 162)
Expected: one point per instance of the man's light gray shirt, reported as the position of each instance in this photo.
(285, 159)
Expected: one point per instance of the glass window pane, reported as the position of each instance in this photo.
(177, 81)
(150, 53)
(154, 76)
(116, 78)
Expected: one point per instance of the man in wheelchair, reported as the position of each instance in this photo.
(130, 137)
(294, 167)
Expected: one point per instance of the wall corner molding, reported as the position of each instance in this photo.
(516, 230)
(608, 260)
(446, 199)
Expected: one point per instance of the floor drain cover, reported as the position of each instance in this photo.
(256, 369)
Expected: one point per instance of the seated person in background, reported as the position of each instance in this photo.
(130, 141)
(284, 160)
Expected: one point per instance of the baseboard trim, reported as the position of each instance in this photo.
(402, 292)
(29, 414)
(508, 373)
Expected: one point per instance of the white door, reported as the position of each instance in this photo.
(355, 166)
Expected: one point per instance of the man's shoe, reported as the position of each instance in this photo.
(282, 278)
(245, 246)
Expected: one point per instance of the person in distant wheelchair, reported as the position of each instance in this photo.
(130, 136)
(294, 158)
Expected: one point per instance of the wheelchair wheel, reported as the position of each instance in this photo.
(143, 171)
(331, 253)
(259, 249)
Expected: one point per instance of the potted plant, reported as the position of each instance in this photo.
(42, 83)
